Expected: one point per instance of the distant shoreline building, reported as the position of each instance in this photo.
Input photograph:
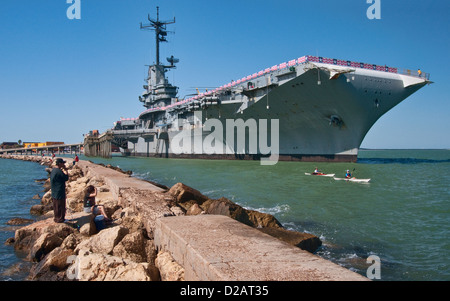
(40, 144)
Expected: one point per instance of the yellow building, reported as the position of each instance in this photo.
(30, 144)
(40, 144)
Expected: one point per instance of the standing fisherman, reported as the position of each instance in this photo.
(58, 178)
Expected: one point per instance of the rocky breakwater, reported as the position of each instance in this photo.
(124, 250)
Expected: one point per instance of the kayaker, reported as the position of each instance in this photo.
(316, 170)
(348, 175)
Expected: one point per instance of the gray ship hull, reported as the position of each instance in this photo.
(320, 118)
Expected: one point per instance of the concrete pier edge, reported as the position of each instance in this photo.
(218, 248)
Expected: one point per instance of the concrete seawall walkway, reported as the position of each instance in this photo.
(218, 248)
(116, 180)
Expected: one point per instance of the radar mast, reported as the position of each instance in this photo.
(160, 30)
(158, 91)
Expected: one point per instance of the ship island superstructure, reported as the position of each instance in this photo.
(311, 108)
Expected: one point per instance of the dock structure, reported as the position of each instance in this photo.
(98, 146)
(57, 149)
(101, 145)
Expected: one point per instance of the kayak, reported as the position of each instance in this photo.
(320, 174)
(354, 180)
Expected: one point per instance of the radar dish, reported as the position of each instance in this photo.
(172, 60)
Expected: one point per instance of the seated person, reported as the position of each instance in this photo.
(348, 175)
(89, 202)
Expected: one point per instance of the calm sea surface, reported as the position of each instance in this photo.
(17, 188)
(402, 216)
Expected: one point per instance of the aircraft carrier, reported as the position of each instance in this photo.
(309, 108)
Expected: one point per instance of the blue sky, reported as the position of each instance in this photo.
(61, 78)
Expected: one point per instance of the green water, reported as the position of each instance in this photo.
(402, 215)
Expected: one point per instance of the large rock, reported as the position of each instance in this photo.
(44, 245)
(86, 225)
(41, 237)
(105, 241)
(39, 209)
(195, 209)
(71, 241)
(19, 221)
(169, 269)
(262, 220)
(75, 173)
(304, 241)
(133, 223)
(101, 267)
(148, 204)
(54, 262)
(75, 196)
(195, 203)
(106, 200)
(256, 219)
(186, 196)
(47, 185)
(133, 247)
(47, 198)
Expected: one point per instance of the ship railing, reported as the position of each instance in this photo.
(415, 73)
(132, 132)
(383, 68)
